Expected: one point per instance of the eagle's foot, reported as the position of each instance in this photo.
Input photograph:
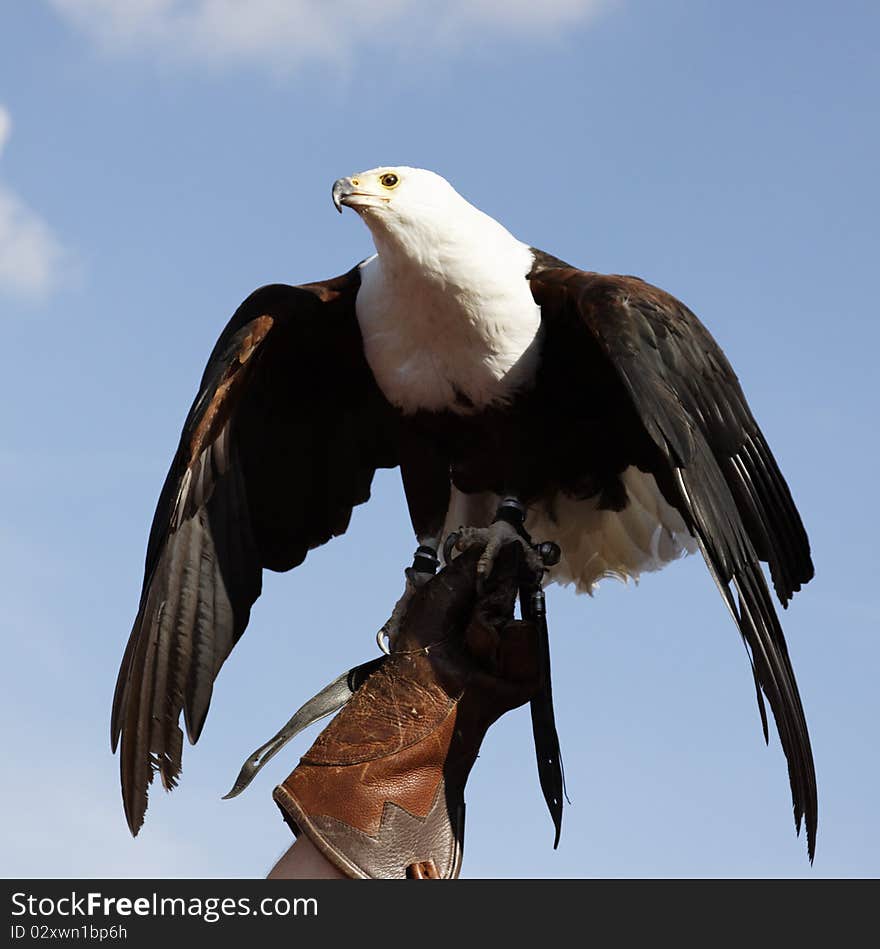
(492, 539)
(423, 568)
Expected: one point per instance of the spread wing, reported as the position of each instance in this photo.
(689, 425)
(281, 442)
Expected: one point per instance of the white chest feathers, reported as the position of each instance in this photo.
(449, 333)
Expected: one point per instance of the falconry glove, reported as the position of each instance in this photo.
(381, 791)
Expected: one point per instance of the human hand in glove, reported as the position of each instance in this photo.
(381, 791)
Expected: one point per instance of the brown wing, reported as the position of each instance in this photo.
(692, 428)
(281, 443)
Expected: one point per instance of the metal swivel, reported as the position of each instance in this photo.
(549, 553)
(513, 511)
(425, 560)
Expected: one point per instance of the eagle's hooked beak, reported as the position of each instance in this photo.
(350, 193)
(341, 187)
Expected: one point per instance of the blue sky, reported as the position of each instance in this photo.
(158, 160)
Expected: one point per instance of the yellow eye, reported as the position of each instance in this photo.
(389, 180)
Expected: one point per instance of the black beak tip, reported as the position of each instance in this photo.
(338, 195)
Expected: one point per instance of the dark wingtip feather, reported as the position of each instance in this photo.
(194, 721)
(762, 709)
(752, 610)
(134, 798)
(760, 624)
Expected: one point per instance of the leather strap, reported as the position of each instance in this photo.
(330, 699)
(547, 750)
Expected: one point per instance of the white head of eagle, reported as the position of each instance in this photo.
(447, 316)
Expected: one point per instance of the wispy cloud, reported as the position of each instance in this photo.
(284, 34)
(32, 259)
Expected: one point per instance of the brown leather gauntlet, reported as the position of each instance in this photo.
(381, 791)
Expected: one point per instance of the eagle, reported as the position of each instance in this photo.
(489, 373)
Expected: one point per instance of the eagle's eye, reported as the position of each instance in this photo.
(389, 180)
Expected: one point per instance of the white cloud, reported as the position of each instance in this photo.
(286, 33)
(32, 258)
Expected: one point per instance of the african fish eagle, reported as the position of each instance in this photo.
(486, 370)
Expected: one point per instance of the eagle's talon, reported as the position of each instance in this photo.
(492, 539)
(385, 638)
(450, 545)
